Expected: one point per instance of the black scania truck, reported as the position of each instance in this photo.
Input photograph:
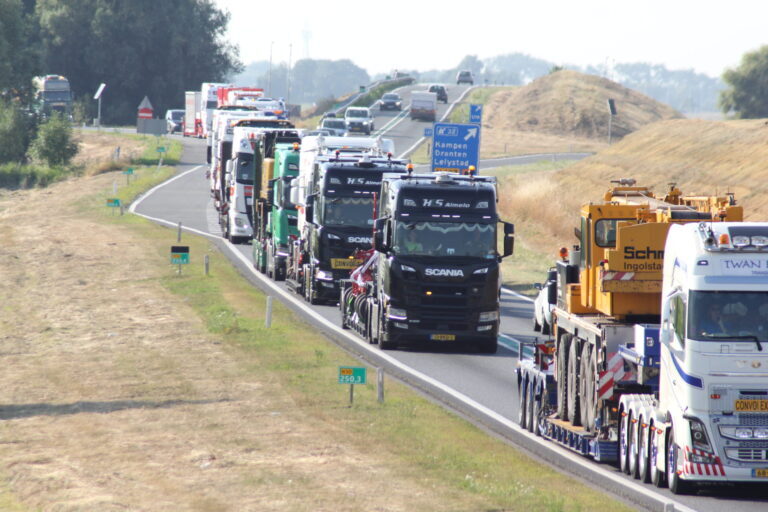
(336, 222)
(434, 275)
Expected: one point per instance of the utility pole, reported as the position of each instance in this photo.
(288, 75)
(269, 79)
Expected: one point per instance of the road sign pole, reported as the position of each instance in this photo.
(351, 394)
(380, 384)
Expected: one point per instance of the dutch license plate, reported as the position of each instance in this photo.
(345, 263)
(442, 337)
(760, 473)
(751, 406)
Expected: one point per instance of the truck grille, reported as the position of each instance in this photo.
(747, 454)
(753, 420)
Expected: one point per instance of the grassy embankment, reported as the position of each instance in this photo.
(457, 454)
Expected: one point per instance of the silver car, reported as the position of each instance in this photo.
(337, 127)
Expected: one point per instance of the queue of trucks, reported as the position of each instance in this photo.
(638, 368)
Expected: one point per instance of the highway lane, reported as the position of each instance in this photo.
(486, 382)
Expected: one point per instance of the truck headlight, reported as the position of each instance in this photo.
(488, 316)
(331, 236)
(324, 275)
(397, 314)
(239, 222)
(699, 435)
(407, 268)
(483, 270)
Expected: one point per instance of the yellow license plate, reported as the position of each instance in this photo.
(751, 406)
(443, 337)
(345, 263)
(760, 473)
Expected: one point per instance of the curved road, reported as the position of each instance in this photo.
(481, 387)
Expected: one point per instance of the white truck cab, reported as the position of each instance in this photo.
(709, 422)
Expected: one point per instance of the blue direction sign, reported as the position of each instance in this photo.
(475, 114)
(455, 147)
(427, 132)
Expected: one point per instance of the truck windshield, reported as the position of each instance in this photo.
(56, 95)
(245, 169)
(348, 211)
(720, 315)
(445, 239)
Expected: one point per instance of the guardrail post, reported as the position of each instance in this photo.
(268, 316)
(380, 384)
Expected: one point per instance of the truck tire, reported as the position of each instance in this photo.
(658, 476)
(624, 442)
(562, 375)
(587, 388)
(632, 445)
(531, 417)
(488, 347)
(643, 453)
(574, 414)
(522, 403)
(384, 344)
(676, 484)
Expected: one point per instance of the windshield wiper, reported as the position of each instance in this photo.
(726, 337)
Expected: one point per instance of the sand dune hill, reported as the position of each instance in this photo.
(702, 157)
(568, 105)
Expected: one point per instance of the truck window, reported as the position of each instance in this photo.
(718, 315)
(678, 318)
(469, 239)
(605, 233)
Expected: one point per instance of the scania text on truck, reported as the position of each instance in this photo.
(335, 202)
(434, 275)
(645, 368)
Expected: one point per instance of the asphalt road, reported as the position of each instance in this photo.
(481, 387)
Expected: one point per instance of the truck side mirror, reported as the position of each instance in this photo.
(666, 332)
(509, 239)
(270, 194)
(309, 209)
(379, 241)
(552, 292)
(294, 195)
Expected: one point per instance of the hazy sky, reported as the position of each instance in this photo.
(708, 36)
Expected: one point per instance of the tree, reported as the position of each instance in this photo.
(747, 95)
(54, 144)
(19, 55)
(138, 48)
(16, 131)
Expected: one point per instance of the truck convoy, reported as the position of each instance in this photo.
(334, 194)
(658, 357)
(434, 275)
(424, 105)
(52, 95)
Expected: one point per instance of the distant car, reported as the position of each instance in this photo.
(442, 94)
(329, 114)
(391, 101)
(465, 77)
(337, 127)
(173, 120)
(544, 303)
(324, 133)
(359, 119)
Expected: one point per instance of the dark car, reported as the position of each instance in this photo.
(391, 101)
(465, 77)
(442, 94)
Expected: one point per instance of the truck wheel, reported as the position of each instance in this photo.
(658, 476)
(385, 344)
(489, 347)
(522, 403)
(632, 445)
(587, 388)
(623, 443)
(643, 454)
(676, 484)
(531, 419)
(562, 376)
(573, 384)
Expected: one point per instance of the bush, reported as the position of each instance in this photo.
(16, 132)
(16, 175)
(54, 143)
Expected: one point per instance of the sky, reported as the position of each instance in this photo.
(380, 36)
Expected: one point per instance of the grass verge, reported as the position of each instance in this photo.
(457, 454)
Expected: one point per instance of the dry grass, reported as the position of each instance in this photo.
(702, 157)
(98, 151)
